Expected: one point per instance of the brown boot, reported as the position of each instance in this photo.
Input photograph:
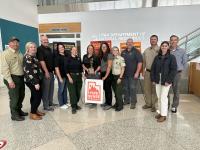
(35, 117)
(157, 116)
(40, 113)
(161, 119)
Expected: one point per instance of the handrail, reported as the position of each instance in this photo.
(189, 33)
(190, 39)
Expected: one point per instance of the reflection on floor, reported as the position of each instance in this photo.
(96, 129)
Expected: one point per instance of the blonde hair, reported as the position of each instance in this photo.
(28, 44)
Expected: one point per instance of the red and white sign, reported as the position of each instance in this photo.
(94, 91)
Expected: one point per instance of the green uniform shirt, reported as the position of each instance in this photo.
(11, 63)
(118, 63)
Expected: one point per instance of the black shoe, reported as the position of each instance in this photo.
(118, 109)
(17, 118)
(107, 107)
(103, 105)
(53, 105)
(126, 103)
(174, 109)
(73, 111)
(93, 105)
(21, 113)
(78, 107)
(114, 106)
(132, 106)
(49, 109)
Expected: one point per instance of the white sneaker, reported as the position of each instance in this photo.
(64, 107)
(68, 104)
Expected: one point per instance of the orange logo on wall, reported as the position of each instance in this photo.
(93, 92)
(135, 44)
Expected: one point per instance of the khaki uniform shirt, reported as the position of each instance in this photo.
(11, 64)
(118, 63)
(148, 56)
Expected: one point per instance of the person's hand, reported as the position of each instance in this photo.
(11, 85)
(61, 80)
(37, 87)
(119, 81)
(71, 80)
(47, 75)
(103, 78)
(136, 75)
(153, 83)
(167, 84)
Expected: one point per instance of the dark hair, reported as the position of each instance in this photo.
(154, 36)
(59, 45)
(174, 36)
(90, 46)
(104, 55)
(160, 51)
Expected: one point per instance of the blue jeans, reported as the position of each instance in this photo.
(130, 85)
(62, 92)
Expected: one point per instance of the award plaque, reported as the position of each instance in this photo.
(91, 69)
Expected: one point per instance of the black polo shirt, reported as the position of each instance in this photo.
(73, 65)
(87, 61)
(59, 62)
(132, 59)
(46, 54)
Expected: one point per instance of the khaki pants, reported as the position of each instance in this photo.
(149, 91)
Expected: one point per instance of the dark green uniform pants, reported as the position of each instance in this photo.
(75, 89)
(117, 88)
(16, 95)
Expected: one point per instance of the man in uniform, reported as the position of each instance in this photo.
(12, 71)
(149, 89)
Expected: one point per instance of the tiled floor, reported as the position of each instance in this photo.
(95, 129)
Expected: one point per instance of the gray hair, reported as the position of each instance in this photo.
(129, 39)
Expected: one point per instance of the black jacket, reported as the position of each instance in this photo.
(167, 67)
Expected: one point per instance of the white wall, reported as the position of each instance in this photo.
(162, 21)
(20, 11)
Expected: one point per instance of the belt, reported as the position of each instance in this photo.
(75, 74)
(19, 76)
(148, 70)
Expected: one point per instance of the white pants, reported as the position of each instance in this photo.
(162, 92)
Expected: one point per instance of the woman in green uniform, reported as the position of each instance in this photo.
(74, 71)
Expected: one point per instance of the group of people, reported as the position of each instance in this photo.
(120, 71)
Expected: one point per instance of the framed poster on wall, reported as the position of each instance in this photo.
(68, 46)
(97, 45)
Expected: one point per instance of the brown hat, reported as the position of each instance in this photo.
(13, 39)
